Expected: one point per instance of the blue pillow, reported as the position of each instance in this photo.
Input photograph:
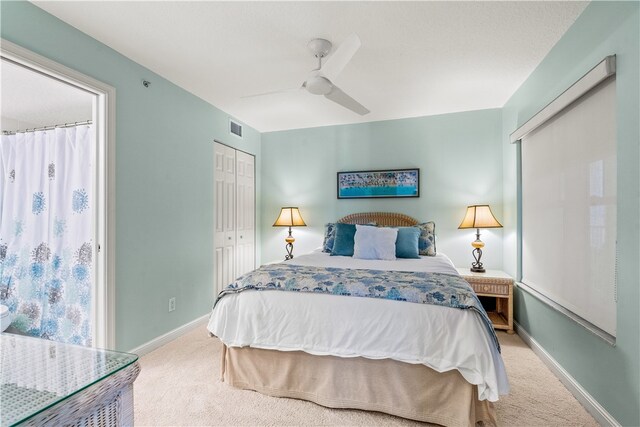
(407, 242)
(329, 237)
(343, 242)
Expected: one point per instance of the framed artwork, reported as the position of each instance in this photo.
(379, 183)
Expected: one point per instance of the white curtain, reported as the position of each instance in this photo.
(46, 228)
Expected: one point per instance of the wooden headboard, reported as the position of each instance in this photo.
(380, 218)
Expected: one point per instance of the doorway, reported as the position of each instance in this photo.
(56, 201)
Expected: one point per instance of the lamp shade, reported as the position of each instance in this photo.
(289, 217)
(479, 216)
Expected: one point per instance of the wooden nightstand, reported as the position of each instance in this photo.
(494, 284)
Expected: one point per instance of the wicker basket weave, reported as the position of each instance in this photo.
(386, 219)
(108, 403)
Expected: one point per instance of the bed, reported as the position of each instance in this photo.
(424, 362)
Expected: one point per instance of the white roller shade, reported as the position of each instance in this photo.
(569, 208)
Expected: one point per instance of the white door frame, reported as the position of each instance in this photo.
(104, 222)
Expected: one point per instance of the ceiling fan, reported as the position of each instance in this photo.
(319, 81)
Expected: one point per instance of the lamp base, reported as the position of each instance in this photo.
(289, 239)
(477, 266)
(289, 254)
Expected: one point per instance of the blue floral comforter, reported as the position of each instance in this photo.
(416, 287)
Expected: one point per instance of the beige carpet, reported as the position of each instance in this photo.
(179, 386)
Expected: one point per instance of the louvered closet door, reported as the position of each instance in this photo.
(245, 213)
(225, 216)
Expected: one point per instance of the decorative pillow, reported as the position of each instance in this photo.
(343, 242)
(329, 237)
(374, 242)
(427, 240)
(407, 242)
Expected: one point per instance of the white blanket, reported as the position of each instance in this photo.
(441, 338)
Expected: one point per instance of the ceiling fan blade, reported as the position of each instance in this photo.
(338, 96)
(341, 57)
(273, 92)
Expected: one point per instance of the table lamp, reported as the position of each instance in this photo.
(289, 217)
(478, 216)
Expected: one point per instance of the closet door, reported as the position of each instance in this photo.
(225, 216)
(245, 213)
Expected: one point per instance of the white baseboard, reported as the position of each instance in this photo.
(148, 347)
(592, 406)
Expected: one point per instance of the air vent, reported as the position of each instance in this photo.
(235, 128)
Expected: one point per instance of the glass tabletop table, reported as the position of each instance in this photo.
(45, 381)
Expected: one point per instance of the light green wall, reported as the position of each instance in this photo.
(164, 177)
(610, 374)
(460, 161)
(164, 185)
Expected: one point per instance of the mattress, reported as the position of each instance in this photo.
(440, 338)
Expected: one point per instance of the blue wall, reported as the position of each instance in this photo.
(610, 374)
(164, 177)
(164, 185)
(460, 161)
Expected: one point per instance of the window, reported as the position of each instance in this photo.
(569, 209)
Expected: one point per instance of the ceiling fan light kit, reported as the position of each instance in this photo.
(320, 82)
(318, 85)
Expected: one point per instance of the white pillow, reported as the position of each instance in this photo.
(374, 243)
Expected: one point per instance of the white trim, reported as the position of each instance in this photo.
(105, 226)
(155, 343)
(604, 69)
(592, 406)
(608, 338)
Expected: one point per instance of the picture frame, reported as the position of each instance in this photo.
(384, 183)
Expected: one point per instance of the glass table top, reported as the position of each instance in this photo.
(37, 373)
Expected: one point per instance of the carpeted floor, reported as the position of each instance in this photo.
(179, 386)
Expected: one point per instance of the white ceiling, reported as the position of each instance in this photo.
(30, 99)
(416, 59)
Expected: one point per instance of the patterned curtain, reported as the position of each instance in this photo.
(46, 228)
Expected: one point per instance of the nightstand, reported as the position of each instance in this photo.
(494, 284)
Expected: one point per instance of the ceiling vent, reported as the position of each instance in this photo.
(235, 128)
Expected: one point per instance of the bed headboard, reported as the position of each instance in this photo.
(380, 218)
